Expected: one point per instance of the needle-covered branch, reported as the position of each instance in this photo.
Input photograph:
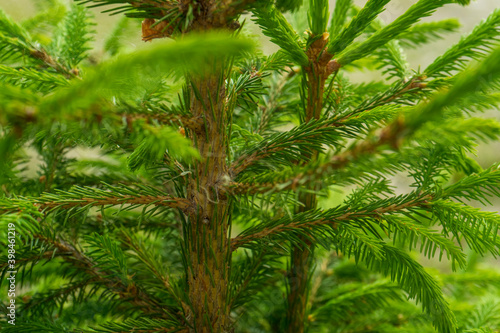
(422, 33)
(336, 128)
(276, 27)
(293, 145)
(150, 259)
(357, 25)
(129, 292)
(316, 222)
(16, 44)
(352, 235)
(81, 198)
(339, 17)
(478, 44)
(468, 83)
(421, 9)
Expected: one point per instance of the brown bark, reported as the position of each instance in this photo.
(207, 233)
(301, 260)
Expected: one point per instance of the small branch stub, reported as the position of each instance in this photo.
(152, 30)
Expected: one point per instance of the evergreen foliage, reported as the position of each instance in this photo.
(233, 191)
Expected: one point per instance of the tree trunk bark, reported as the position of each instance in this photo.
(207, 242)
(302, 259)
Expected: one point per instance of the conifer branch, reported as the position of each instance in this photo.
(339, 17)
(276, 27)
(75, 36)
(272, 103)
(29, 77)
(32, 257)
(193, 123)
(392, 135)
(373, 251)
(16, 41)
(49, 61)
(357, 25)
(479, 229)
(84, 197)
(249, 276)
(339, 126)
(151, 261)
(484, 38)
(388, 136)
(129, 293)
(133, 8)
(230, 8)
(371, 296)
(390, 57)
(477, 186)
(143, 325)
(318, 15)
(55, 296)
(35, 114)
(292, 145)
(421, 9)
(423, 33)
(309, 222)
(399, 92)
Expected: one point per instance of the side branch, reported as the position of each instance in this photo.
(325, 219)
(32, 114)
(83, 197)
(245, 161)
(389, 135)
(195, 124)
(130, 293)
(49, 61)
(301, 141)
(167, 201)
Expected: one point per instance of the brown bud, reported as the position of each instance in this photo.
(147, 32)
(160, 30)
(332, 66)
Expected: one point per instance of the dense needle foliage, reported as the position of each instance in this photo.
(224, 190)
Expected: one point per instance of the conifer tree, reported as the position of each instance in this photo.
(208, 207)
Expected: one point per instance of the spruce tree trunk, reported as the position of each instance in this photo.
(301, 263)
(207, 233)
(302, 259)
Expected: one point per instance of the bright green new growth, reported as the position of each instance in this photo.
(75, 36)
(421, 9)
(357, 25)
(474, 46)
(275, 24)
(339, 16)
(222, 190)
(318, 15)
